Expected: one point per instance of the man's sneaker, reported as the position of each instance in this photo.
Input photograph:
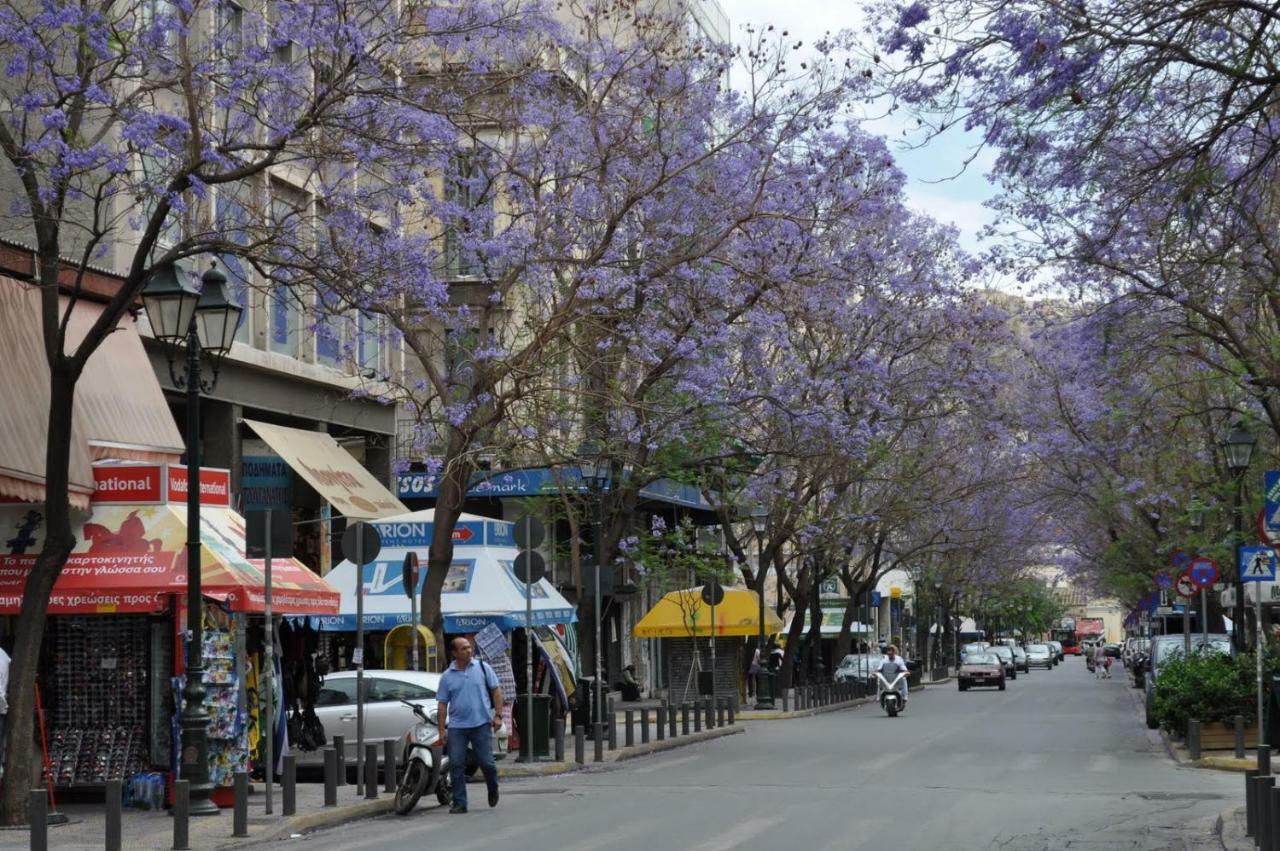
(493, 797)
(457, 808)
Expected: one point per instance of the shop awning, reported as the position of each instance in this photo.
(683, 614)
(331, 470)
(535, 481)
(132, 558)
(832, 617)
(120, 410)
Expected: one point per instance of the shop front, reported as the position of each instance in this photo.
(111, 680)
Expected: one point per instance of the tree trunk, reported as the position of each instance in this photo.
(19, 778)
(844, 641)
(453, 490)
(787, 672)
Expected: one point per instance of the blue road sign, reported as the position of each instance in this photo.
(1271, 504)
(875, 598)
(1257, 564)
(1164, 580)
(1180, 560)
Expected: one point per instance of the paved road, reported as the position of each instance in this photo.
(1058, 761)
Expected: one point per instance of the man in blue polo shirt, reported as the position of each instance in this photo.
(470, 712)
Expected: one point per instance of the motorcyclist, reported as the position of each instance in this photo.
(891, 665)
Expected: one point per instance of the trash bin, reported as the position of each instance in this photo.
(539, 729)
(584, 702)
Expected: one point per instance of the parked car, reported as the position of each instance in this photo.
(858, 666)
(1056, 647)
(1039, 655)
(1112, 649)
(1166, 647)
(1134, 656)
(385, 716)
(973, 647)
(1006, 658)
(981, 669)
(1020, 659)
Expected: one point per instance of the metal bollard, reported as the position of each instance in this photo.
(786, 700)
(389, 779)
(598, 739)
(1261, 798)
(115, 801)
(1274, 813)
(1264, 759)
(709, 708)
(1193, 738)
(613, 730)
(38, 815)
(684, 719)
(371, 771)
(1250, 811)
(181, 811)
(644, 726)
(732, 704)
(1238, 723)
(289, 785)
(721, 711)
(629, 737)
(240, 807)
(697, 717)
(580, 744)
(340, 748)
(557, 730)
(662, 721)
(331, 777)
(671, 721)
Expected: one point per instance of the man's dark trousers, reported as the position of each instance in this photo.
(481, 741)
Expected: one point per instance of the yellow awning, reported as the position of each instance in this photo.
(682, 614)
(332, 471)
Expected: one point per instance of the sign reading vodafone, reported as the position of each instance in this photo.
(152, 484)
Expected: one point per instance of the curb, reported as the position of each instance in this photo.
(803, 713)
(671, 744)
(1179, 754)
(310, 822)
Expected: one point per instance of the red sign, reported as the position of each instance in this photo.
(92, 583)
(215, 486)
(130, 484)
(463, 534)
(1203, 572)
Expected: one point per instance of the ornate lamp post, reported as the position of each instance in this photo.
(594, 471)
(759, 523)
(938, 651)
(1238, 448)
(199, 323)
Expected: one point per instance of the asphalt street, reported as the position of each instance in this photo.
(1057, 761)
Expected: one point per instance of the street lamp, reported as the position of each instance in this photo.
(201, 323)
(939, 651)
(760, 523)
(1238, 447)
(594, 471)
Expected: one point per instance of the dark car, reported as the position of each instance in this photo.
(1006, 657)
(1112, 649)
(981, 669)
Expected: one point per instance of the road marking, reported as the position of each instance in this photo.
(743, 832)
(1102, 763)
(659, 764)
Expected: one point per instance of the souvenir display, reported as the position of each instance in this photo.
(227, 750)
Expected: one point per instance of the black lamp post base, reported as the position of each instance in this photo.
(203, 807)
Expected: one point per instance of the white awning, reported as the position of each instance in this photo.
(332, 471)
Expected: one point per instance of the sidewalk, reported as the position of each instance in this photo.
(146, 830)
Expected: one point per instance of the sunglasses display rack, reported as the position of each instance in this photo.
(98, 685)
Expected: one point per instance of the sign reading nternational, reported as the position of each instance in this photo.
(1257, 564)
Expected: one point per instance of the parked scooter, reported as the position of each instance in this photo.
(890, 694)
(426, 765)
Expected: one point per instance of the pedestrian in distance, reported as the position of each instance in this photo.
(1100, 662)
(469, 713)
(753, 673)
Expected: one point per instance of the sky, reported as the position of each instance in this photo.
(938, 183)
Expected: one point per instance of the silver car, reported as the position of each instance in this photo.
(858, 666)
(1040, 655)
(385, 715)
(1006, 659)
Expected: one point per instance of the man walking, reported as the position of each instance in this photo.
(470, 711)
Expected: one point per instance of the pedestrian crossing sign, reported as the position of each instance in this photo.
(1257, 564)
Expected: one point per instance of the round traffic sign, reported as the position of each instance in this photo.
(713, 592)
(1180, 560)
(361, 543)
(1203, 572)
(1185, 586)
(529, 532)
(409, 574)
(530, 566)
(1164, 580)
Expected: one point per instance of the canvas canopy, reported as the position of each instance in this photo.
(683, 614)
(481, 587)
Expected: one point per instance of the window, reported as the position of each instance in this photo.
(381, 689)
(329, 324)
(369, 342)
(230, 29)
(337, 692)
(288, 206)
(161, 16)
(469, 192)
(232, 219)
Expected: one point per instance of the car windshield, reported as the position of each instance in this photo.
(1038, 649)
(982, 659)
(1169, 649)
(1002, 652)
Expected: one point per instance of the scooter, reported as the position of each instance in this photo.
(890, 694)
(426, 765)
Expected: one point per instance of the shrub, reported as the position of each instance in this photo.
(1208, 687)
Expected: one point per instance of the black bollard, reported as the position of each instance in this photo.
(786, 700)
(289, 785)
(721, 711)
(331, 776)
(613, 730)
(598, 738)
(240, 808)
(644, 726)
(732, 704)
(1261, 799)
(340, 748)
(1238, 723)
(181, 811)
(629, 718)
(38, 815)
(557, 730)
(1250, 812)
(1193, 738)
(1264, 760)
(371, 771)
(1274, 814)
(671, 721)
(697, 717)
(115, 800)
(662, 721)
(684, 719)
(710, 706)
(579, 744)
(389, 779)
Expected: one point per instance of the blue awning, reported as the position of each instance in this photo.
(499, 484)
